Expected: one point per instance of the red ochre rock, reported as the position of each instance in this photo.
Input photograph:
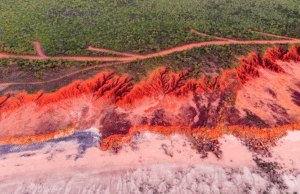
(293, 54)
(121, 91)
(160, 82)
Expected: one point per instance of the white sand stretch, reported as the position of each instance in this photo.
(149, 169)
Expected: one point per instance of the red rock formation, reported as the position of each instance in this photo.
(190, 85)
(103, 85)
(269, 64)
(245, 72)
(255, 139)
(270, 58)
(274, 54)
(66, 92)
(25, 140)
(158, 83)
(116, 90)
(116, 141)
(161, 82)
(255, 59)
(250, 65)
(3, 100)
(214, 83)
(293, 54)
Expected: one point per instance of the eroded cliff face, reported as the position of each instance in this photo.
(264, 92)
(274, 97)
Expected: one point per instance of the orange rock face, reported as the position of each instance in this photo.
(165, 101)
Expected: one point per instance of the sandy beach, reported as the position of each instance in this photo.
(155, 164)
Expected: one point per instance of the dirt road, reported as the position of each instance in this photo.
(132, 57)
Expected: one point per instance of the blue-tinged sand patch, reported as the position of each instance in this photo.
(83, 139)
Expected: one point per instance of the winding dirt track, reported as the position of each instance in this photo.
(38, 49)
(110, 51)
(132, 57)
(203, 34)
(270, 34)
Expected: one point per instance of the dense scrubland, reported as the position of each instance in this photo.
(66, 27)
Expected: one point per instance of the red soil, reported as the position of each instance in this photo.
(38, 49)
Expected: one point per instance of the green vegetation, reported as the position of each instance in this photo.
(141, 189)
(231, 98)
(83, 52)
(261, 123)
(38, 67)
(249, 118)
(4, 62)
(66, 27)
(16, 45)
(206, 59)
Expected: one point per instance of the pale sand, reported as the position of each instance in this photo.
(148, 167)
